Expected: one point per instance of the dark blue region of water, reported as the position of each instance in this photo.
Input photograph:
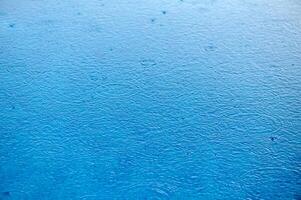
(150, 99)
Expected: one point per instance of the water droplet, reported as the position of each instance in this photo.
(147, 62)
(210, 48)
(273, 138)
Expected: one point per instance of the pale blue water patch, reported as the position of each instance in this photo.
(172, 99)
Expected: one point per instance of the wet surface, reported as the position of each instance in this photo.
(177, 99)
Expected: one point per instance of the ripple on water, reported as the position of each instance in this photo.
(288, 105)
(202, 6)
(4, 195)
(148, 62)
(152, 68)
(116, 90)
(89, 197)
(2, 14)
(253, 123)
(13, 195)
(271, 183)
(192, 173)
(146, 192)
(64, 87)
(204, 2)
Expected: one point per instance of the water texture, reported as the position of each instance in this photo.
(150, 99)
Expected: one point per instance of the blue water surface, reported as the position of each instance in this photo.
(150, 99)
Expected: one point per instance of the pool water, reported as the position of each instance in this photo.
(150, 99)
